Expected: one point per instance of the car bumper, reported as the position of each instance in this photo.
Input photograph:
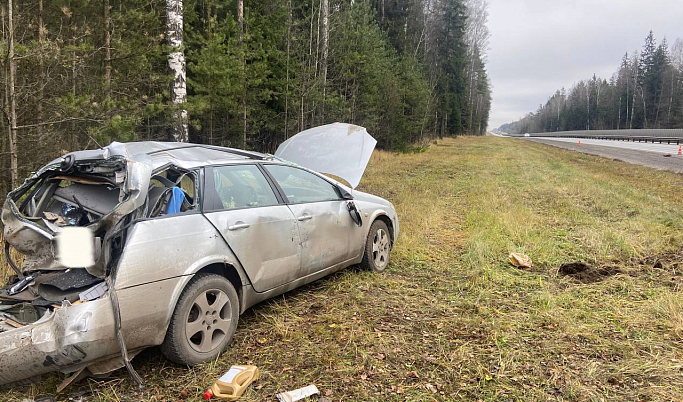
(72, 337)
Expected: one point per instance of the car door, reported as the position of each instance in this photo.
(328, 234)
(259, 228)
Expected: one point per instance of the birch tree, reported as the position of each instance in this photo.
(477, 37)
(324, 46)
(176, 62)
(41, 67)
(107, 45)
(11, 90)
(676, 102)
(240, 25)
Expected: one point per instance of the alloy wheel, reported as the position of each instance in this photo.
(380, 249)
(208, 321)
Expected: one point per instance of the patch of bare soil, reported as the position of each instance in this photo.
(666, 268)
(670, 262)
(663, 268)
(586, 273)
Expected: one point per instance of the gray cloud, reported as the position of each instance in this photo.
(539, 46)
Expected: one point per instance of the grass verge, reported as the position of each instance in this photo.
(450, 319)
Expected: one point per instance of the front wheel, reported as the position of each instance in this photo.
(204, 321)
(377, 247)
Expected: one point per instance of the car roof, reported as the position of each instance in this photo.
(189, 155)
(181, 154)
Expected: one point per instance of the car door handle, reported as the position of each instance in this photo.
(238, 226)
(304, 217)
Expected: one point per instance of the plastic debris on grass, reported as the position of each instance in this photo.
(520, 260)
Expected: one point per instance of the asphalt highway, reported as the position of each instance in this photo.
(646, 154)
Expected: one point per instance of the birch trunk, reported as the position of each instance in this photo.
(619, 118)
(588, 105)
(107, 47)
(289, 34)
(4, 123)
(671, 97)
(470, 77)
(633, 107)
(209, 27)
(73, 137)
(176, 62)
(41, 67)
(477, 115)
(659, 106)
(240, 19)
(14, 172)
(313, 108)
(642, 96)
(325, 14)
(634, 88)
(628, 98)
(443, 126)
(243, 101)
(307, 70)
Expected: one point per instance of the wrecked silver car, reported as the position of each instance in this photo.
(185, 238)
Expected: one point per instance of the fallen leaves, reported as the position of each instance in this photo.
(429, 387)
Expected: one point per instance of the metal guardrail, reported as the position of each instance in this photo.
(668, 136)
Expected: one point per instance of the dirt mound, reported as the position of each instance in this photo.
(586, 273)
(573, 268)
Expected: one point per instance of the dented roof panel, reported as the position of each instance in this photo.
(181, 154)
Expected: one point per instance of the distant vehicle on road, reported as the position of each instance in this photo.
(527, 135)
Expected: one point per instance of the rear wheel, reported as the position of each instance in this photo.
(204, 321)
(377, 247)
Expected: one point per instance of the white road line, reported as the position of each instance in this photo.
(639, 146)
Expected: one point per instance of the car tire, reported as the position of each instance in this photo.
(377, 247)
(203, 322)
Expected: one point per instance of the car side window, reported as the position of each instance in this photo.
(301, 186)
(242, 186)
(172, 191)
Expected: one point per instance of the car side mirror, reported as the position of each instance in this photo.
(355, 213)
(344, 194)
(75, 247)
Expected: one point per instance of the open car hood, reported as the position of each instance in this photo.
(338, 149)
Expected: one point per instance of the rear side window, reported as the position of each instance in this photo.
(242, 186)
(301, 186)
(172, 191)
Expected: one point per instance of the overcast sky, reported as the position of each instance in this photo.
(539, 46)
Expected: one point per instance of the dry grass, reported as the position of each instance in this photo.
(5, 270)
(450, 319)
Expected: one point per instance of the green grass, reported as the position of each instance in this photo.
(450, 319)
